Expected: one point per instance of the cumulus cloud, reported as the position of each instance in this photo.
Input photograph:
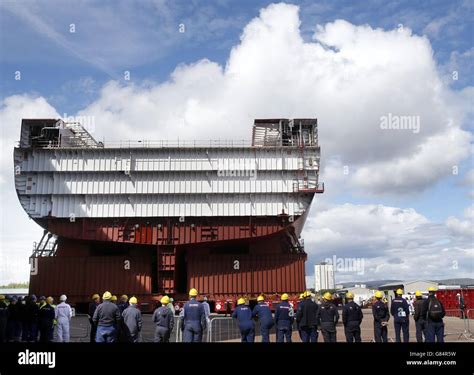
(17, 232)
(391, 243)
(349, 77)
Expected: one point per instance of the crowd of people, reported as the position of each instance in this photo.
(30, 319)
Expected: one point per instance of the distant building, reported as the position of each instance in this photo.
(323, 276)
(362, 294)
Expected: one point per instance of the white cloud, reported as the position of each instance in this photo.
(17, 232)
(348, 77)
(394, 243)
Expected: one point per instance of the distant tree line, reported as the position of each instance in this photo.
(16, 285)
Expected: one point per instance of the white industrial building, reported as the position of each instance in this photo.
(362, 294)
(324, 276)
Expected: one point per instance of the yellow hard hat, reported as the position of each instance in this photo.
(95, 296)
(284, 297)
(2, 297)
(302, 295)
(114, 298)
(260, 298)
(165, 300)
(107, 296)
(350, 295)
(418, 293)
(327, 296)
(49, 300)
(432, 289)
(193, 292)
(241, 301)
(306, 294)
(378, 294)
(399, 292)
(125, 297)
(133, 300)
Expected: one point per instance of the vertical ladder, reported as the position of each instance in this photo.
(166, 263)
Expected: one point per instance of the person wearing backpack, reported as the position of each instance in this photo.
(401, 312)
(433, 312)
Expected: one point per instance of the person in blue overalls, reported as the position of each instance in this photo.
(193, 318)
(401, 312)
(243, 314)
(264, 314)
(284, 316)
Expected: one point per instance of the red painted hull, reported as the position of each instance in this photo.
(148, 258)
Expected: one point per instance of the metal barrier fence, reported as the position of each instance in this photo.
(456, 329)
(225, 329)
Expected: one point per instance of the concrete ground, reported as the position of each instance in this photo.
(226, 330)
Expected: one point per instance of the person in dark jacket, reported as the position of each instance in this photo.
(400, 311)
(433, 311)
(14, 320)
(284, 317)
(92, 306)
(328, 318)
(243, 314)
(30, 321)
(163, 318)
(381, 318)
(307, 317)
(46, 315)
(264, 315)
(106, 317)
(3, 319)
(193, 318)
(420, 323)
(123, 304)
(352, 318)
(131, 321)
(22, 317)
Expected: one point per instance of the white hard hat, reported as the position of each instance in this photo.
(63, 298)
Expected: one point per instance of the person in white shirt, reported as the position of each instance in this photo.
(63, 317)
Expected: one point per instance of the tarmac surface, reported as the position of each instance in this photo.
(224, 329)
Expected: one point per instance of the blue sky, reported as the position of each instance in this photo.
(72, 70)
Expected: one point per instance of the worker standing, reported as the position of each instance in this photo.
(207, 311)
(328, 316)
(46, 317)
(132, 321)
(14, 321)
(264, 314)
(123, 304)
(243, 314)
(3, 319)
(284, 316)
(381, 318)
(193, 318)
(63, 315)
(106, 317)
(433, 312)
(401, 312)
(163, 317)
(30, 320)
(420, 322)
(352, 318)
(171, 306)
(300, 299)
(307, 317)
(92, 306)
